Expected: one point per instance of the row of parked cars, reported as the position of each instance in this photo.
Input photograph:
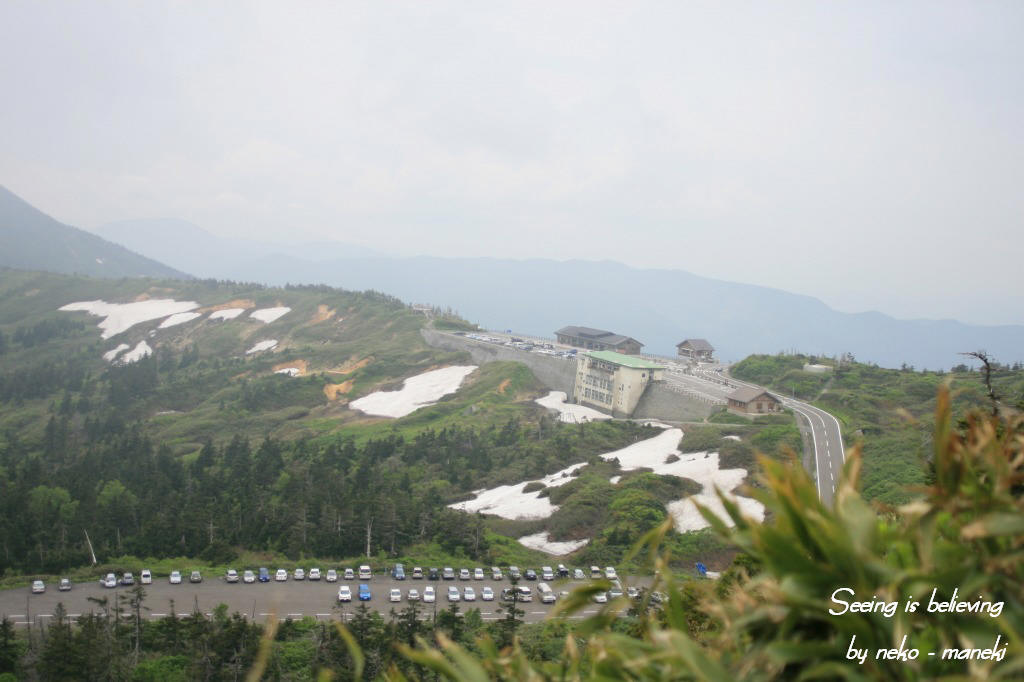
(429, 596)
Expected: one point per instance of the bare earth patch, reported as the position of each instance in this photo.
(351, 366)
(237, 303)
(503, 385)
(323, 313)
(333, 390)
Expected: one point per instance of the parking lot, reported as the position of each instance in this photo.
(260, 601)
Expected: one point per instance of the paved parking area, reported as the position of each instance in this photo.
(260, 601)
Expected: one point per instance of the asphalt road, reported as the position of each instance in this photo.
(259, 601)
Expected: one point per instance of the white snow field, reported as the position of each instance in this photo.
(140, 351)
(568, 412)
(262, 346)
(540, 542)
(226, 314)
(114, 352)
(416, 392)
(268, 315)
(178, 318)
(510, 502)
(290, 371)
(120, 317)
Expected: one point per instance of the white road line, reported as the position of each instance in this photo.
(155, 615)
(264, 614)
(16, 615)
(323, 615)
(295, 615)
(184, 615)
(76, 615)
(538, 613)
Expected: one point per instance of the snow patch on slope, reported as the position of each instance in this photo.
(416, 392)
(114, 352)
(568, 412)
(269, 315)
(140, 351)
(226, 314)
(269, 344)
(120, 317)
(540, 542)
(178, 318)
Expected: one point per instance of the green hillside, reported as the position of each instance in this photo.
(204, 449)
(888, 411)
(30, 239)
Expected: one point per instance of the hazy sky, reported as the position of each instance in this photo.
(870, 154)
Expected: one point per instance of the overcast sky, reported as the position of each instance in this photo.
(869, 154)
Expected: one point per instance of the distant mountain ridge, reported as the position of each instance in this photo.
(32, 240)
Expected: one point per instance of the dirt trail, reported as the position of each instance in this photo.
(332, 391)
(503, 385)
(350, 366)
(237, 303)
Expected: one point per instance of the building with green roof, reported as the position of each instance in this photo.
(613, 382)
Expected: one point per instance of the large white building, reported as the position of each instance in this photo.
(613, 382)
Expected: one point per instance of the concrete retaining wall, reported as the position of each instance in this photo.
(660, 402)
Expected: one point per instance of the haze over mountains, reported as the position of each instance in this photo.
(537, 296)
(32, 240)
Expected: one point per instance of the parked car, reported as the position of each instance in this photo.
(478, 574)
(365, 573)
(433, 574)
(38, 587)
(111, 580)
(563, 572)
(615, 593)
(314, 574)
(601, 598)
(364, 592)
(281, 575)
(578, 574)
(546, 573)
(146, 578)
(417, 573)
(344, 593)
(525, 594)
(453, 593)
(248, 577)
(610, 574)
(175, 578)
(65, 584)
(487, 594)
(398, 572)
(468, 594)
(463, 574)
(448, 573)
(350, 574)
(195, 577)
(264, 575)
(428, 594)
(530, 574)
(513, 572)
(633, 592)
(332, 576)
(395, 595)
(547, 595)
(496, 573)
(231, 576)
(127, 579)
(414, 594)
(595, 572)
(299, 574)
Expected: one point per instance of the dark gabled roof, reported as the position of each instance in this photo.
(586, 332)
(696, 344)
(745, 394)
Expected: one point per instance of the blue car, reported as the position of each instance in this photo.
(264, 575)
(364, 592)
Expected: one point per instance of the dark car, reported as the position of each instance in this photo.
(530, 574)
(264, 575)
(433, 574)
(398, 572)
(563, 572)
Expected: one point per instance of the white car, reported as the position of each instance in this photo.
(609, 573)
(344, 593)
(38, 587)
(395, 594)
(175, 578)
(146, 578)
(314, 574)
(332, 576)
(300, 574)
(350, 574)
(463, 574)
(546, 573)
(453, 593)
(248, 577)
(365, 573)
(601, 598)
(496, 573)
(109, 581)
(469, 594)
(281, 575)
(65, 584)
(414, 595)
(231, 576)
(577, 574)
(478, 574)
(428, 595)
(487, 594)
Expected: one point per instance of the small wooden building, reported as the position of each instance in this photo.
(695, 349)
(748, 400)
